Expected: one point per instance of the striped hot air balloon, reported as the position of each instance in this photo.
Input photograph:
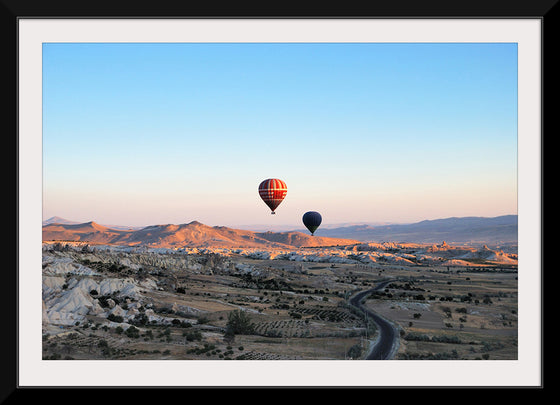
(272, 192)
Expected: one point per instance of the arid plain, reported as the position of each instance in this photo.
(196, 292)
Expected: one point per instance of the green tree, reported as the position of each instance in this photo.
(132, 332)
(239, 323)
(355, 352)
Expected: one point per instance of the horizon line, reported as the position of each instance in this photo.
(296, 226)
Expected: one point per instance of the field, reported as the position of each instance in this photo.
(126, 305)
(461, 314)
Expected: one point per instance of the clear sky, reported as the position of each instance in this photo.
(142, 134)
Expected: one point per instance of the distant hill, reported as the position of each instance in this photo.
(88, 232)
(58, 220)
(193, 234)
(476, 230)
(502, 229)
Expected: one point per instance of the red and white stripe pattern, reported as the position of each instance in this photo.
(273, 191)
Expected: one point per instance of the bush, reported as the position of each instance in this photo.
(239, 323)
(202, 320)
(355, 352)
(132, 332)
(417, 337)
(140, 319)
(192, 335)
(115, 318)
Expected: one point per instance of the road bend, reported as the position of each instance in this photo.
(388, 335)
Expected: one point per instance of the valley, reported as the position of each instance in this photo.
(116, 302)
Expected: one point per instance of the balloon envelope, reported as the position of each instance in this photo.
(312, 220)
(272, 192)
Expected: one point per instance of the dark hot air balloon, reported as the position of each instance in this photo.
(272, 192)
(312, 220)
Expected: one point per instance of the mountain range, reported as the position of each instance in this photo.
(502, 229)
(193, 234)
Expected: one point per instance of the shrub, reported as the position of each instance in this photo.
(140, 319)
(417, 337)
(115, 318)
(355, 352)
(239, 323)
(202, 320)
(192, 335)
(132, 332)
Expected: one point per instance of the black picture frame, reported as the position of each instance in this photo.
(12, 10)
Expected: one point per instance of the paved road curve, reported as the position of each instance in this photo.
(383, 349)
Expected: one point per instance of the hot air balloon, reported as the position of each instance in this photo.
(312, 220)
(272, 191)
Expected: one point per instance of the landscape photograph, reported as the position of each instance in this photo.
(218, 204)
(172, 140)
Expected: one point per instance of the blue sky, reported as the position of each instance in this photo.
(139, 134)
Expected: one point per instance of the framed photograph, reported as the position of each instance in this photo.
(380, 139)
